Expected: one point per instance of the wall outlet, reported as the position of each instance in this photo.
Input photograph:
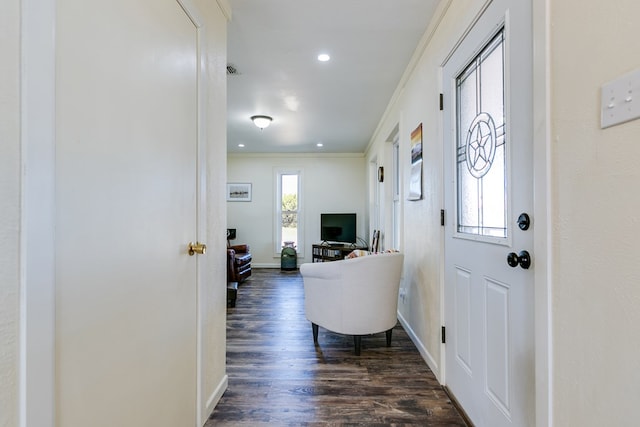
(402, 294)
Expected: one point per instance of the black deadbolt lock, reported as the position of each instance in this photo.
(524, 221)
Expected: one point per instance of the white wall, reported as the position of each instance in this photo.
(331, 183)
(9, 210)
(596, 205)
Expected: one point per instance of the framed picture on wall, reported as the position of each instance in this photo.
(238, 192)
(415, 177)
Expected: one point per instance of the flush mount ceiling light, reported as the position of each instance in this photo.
(323, 57)
(261, 121)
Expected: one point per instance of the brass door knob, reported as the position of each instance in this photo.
(197, 248)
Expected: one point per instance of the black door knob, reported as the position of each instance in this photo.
(512, 259)
(523, 259)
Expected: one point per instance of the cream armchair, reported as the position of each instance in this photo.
(357, 296)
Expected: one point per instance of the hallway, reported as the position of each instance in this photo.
(278, 378)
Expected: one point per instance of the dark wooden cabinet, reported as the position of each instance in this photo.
(327, 252)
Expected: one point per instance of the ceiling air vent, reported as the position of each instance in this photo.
(232, 70)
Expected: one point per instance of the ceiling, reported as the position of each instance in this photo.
(273, 46)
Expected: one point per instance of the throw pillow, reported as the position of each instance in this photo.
(356, 253)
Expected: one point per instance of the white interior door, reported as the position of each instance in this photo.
(126, 130)
(488, 184)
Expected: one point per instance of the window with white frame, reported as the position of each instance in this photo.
(288, 210)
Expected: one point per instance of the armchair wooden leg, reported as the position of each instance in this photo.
(314, 327)
(232, 293)
(389, 337)
(357, 341)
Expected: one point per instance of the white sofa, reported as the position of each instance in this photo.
(357, 296)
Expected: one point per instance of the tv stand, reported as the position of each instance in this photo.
(325, 252)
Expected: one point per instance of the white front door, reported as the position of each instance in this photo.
(488, 185)
(126, 131)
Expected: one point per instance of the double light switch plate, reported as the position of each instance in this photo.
(620, 100)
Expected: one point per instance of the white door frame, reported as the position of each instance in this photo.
(201, 201)
(197, 20)
(395, 193)
(542, 208)
(37, 273)
(376, 216)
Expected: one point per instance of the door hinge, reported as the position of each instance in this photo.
(444, 336)
(441, 102)
(442, 217)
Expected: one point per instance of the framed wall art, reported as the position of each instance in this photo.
(239, 192)
(415, 179)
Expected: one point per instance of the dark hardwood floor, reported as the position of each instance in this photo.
(277, 377)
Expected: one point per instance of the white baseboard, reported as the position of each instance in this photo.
(265, 265)
(215, 397)
(421, 348)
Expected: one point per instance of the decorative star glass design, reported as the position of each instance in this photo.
(481, 144)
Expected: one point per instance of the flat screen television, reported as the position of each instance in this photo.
(338, 227)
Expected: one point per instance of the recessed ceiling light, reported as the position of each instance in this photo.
(323, 57)
(319, 144)
(241, 145)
